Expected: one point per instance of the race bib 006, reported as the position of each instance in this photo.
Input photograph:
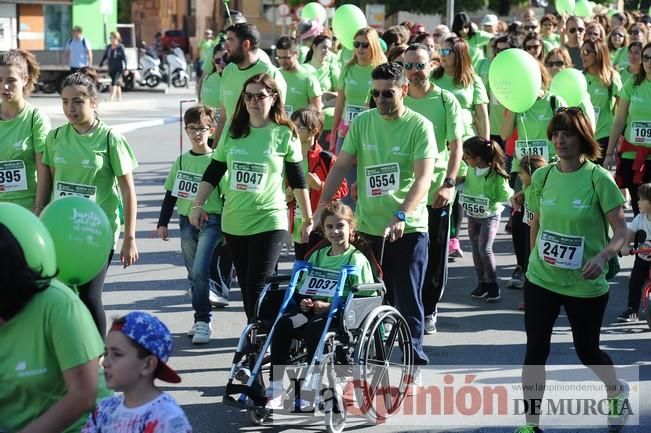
(320, 282)
(562, 251)
(476, 207)
(186, 185)
(248, 176)
(641, 132)
(531, 147)
(13, 176)
(66, 189)
(383, 179)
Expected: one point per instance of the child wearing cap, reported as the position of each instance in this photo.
(137, 349)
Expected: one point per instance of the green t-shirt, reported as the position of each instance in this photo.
(183, 182)
(327, 74)
(626, 75)
(355, 81)
(476, 45)
(211, 90)
(301, 86)
(302, 53)
(386, 151)
(208, 67)
(52, 334)
(638, 121)
(89, 165)
(603, 101)
(553, 40)
(468, 97)
(619, 60)
(236, 77)
(572, 229)
(495, 109)
(255, 194)
(532, 130)
(206, 47)
(442, 109)
(484, 194)
(344, 56)
(352, 256)
(22, 138)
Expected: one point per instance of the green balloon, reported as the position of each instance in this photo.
(570, 85)
(583, 8)
(33, 237)
(565, 6)
(514, 78)
(314, 11)
(612, 12)
(82, 238)
(348, 20)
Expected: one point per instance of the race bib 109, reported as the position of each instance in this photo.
(13, 176)
(248, 176)
(561, 251)
(531, 147)
(641, 132)
(383, 179)
(320, 282)
(476, 207)
(65, 189)
(353, 111)
(186, 185)
(528, 216)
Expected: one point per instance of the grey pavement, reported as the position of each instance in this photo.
(470, 332)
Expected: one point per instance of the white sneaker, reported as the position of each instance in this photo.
(416, 382)
(275, 403)
(202, 332)
(216, 300)
(191, 330)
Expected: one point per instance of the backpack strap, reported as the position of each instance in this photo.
(553, 103)
(551, 166)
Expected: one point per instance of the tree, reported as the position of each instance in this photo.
(124, 11)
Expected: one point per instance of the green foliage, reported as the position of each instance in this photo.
(431, 7)
(124, 11)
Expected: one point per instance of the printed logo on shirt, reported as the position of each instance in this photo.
(636, 99)
(578, 204)
(237, 151)
(369, 146)
(85, 162)
(59, 160)
(397, 151)
(21, 366)
(22, 144)
(22, 371)
(353, 82)
(549, 202)
(295, 91)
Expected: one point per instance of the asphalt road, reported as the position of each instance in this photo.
(473, 337)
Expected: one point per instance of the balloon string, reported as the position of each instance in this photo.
(526, 141)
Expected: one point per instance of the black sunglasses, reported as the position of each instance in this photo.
(532, 47)
(386, 94)
(645, 58)
(556, 64)
(577, 29)
(358, 44)
(530, 27)
(418, 66)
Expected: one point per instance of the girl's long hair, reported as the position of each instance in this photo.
(602, 57)
(489, 151)
(463, 73)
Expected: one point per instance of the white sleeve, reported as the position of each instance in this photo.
(635, 224)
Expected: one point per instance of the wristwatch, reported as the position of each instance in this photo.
(401, 215)
(449, 182)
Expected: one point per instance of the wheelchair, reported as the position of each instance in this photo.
(365, 345)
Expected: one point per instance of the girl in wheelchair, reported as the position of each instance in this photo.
(306, 315)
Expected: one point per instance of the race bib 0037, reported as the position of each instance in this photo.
(13, 176)
(531, 147)
(320, 282)
(186, 185)
(561, 251)
(476, 207)
(248, 176)
(66, 189)
(382, 179)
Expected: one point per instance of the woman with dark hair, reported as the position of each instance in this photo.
(211, 83)
(633, 112)
(260, 150)
(321, 61)
(638, 33)
(397, 55)
(477, 40)
(51, 348)
(604, 84)
(617, 43)
(88, 159)
(534, 45)
(574, 203)
(634, 51)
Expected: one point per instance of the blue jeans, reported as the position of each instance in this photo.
(197, 247)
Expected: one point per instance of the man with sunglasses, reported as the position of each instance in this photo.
(395, 149)
(303, 88)
(573, 40)
(443, 110)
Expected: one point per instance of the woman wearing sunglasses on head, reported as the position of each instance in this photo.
(533, 44)
(260, 151)
(604, 84)
(477, 40)
(617, 43)
(633, 120)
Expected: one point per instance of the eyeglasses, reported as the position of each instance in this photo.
(617, 35)
(445, 51)
(418, 66)
(257, 96)
(386, 94)
(557, 64)
(364, 45)
(530, 27)
(587, 52)
(577, 29)
(571, 110)
(532, 47)
(197, 131)
(645, 58)
(399, 62)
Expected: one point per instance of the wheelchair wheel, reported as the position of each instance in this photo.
(384, 363)
(334, 407)
(647, 301)
(258, 415)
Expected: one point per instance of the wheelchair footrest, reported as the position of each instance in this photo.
(253, 392)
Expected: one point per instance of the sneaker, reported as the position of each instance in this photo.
(616, 414)
(415, 382)
(275, 403)
(629, 315)
(216, 300)
(517, 278)
(192, 330)
(493, 292)
(430, 324)
(202, 332)
(454, 249)
(529, 428)
(242, 374)
(480, 292)
(303, 405)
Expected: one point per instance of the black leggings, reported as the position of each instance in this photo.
(603, 145)
(585, 316)
(91, 295)
(520, 236)
(639, 275)
(626, 171)
(255, 257)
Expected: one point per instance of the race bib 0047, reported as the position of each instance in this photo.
(382, 179)
(476, 207)
(320, 282)
(65, 189)
(531, 147)
(186, 185)
(248, 176)
(561, 251)
(13, 176)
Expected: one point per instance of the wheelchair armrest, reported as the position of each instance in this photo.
(377, 287)
(282, 278)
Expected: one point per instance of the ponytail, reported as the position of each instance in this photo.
(26, 62)
(489, 151)
(86, 77)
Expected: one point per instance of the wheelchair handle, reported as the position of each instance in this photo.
(378, 287)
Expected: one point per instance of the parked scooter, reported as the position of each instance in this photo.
(178, 67)
(151, 74)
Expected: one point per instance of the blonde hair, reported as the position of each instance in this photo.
(116, 35)
(377, 55)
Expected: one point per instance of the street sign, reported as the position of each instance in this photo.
(284, 10)
(106, 7)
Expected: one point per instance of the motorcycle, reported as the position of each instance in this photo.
(152, 74)
(178, 67)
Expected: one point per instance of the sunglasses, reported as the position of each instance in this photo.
(645, 58)
(532, 47)
(571, 110)
(195, 130)
(587, 52)
(445, 51)
(257, 96)
(530, 27)
(557, 64)
(635, 32)
(418, 66)
(577, 29)
(618, 35)
(364, 45)
(283, 57)
(386, 94)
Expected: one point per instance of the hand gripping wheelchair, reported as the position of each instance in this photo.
(363, 340)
